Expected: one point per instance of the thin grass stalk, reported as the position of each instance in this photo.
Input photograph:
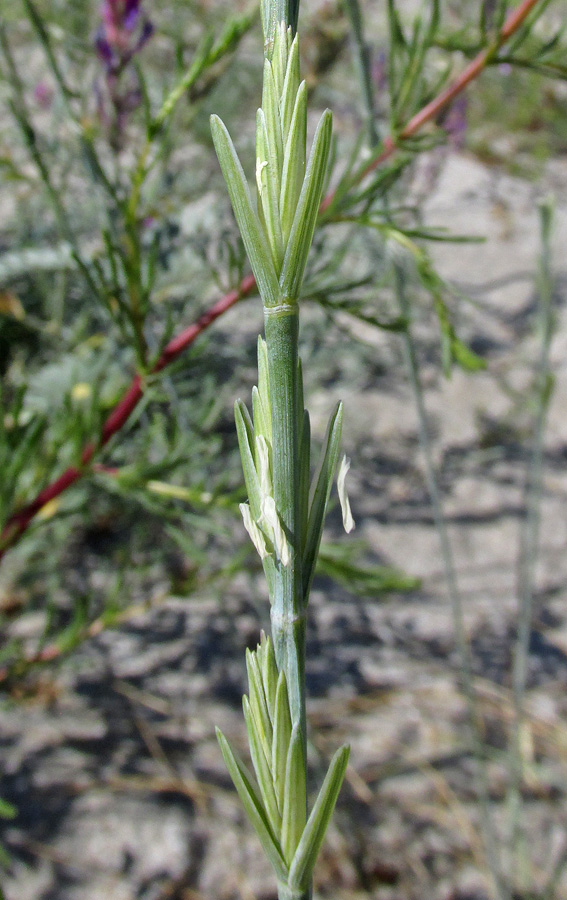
(433, 489)
(21, 115)
(94, 166)
(275, 451)
(288, 608)
(530, 540)
(491, 841)
(362, 60)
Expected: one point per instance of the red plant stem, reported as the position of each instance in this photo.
(21, 520)
(439, 103)
(53, 651)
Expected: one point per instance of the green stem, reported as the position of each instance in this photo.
(362, 60)
(530, 544)
(287, 893)
(288, 606)
(453, 591)
(288, 612)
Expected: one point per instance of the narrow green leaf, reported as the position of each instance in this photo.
(273, 11)
(396, 32)
(279, 56)
(304, 475)
(270, 572)
(291, 30)
(235, 28)
(270, 675)
(295, 798)
(249, 795)
(466, 358)
(19, 456)
(262, 423)
(452, 348)
(264, 382)
(300, 396)
(340, 562)
(198, 65)
(264, 468)
(271, 108)
(281, 739)
(290, 88)
(268, 182)
(262, 767)
(306, 854)
(433, 23)
(307, 210)
(248, 222)
(246, 443)
(247, 423)
(258, 702)
(294, 163)
(320, 491)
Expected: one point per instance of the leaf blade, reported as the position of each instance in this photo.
(294, 812)
(262, 767)
(305, 218)
(245, 434)
(321, 489)
(293, 173)
(307, 851)
(248, 793)
(256, 247)
(281, 739)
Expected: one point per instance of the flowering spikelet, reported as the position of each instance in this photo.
(286, 508)
(260, 516)
(275, 795)
(278, 233)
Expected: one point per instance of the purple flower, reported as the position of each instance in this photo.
(103, 48)
(124, 29)
(145, 34)
(121, 14)
(131, 14)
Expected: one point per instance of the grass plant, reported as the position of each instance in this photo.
(287, 506)
(113, 392)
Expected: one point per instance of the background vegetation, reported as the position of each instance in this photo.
(119, 475)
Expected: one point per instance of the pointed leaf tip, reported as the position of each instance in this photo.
(258, 252)
(307, 210)
(295, 793)
(319, 495)
(301, 869)
(249, 794)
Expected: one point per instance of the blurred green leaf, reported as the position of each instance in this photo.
(339, 562)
